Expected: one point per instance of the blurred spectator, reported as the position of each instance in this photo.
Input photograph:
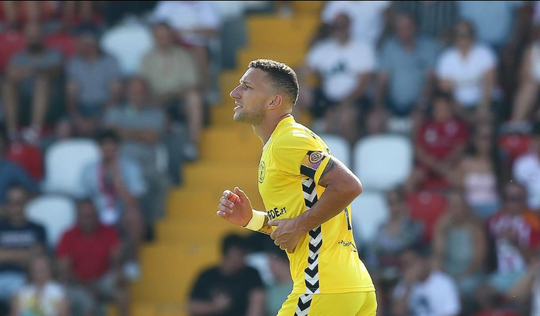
(90, 264)
(424, 290)
(17, 13)
(468, 70)
(42, 296)
(515, 232)
(478, 173)
(439, 146)
(20, 241)
(345, 67)
(527, 289)
(28, 157)
(406, 69)
(141, 126)
(10, 173)
(368, 18)
(399, 233)
(30, 74)
(526, 170)
(197, 23)
(526, 98)
(93, 83)
(80, 12)
(434, 19)
(116, 184)
(230, 289)
(460, 245)
(172, 76)
(277, 292)
(483, 13)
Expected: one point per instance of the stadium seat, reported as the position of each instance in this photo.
(383, 161)
(57, 213)
(369, 212)
(427, 207)
(339, 147)
(12, 42)
(129, 43)
(64, 164)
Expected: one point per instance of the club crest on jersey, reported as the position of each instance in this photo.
(315, 157)
(262, 171)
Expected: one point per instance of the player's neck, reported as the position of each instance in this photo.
(265, 130)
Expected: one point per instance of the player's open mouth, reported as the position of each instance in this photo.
(238, 106)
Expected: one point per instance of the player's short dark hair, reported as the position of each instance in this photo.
(108, 135)
(232, 241)
(280, 75)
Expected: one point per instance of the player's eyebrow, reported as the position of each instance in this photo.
(242, 81)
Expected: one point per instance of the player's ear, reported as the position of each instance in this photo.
(275, 102)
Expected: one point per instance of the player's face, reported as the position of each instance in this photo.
(251, 97)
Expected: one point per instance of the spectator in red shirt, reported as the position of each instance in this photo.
(439, 145)
(89, 258)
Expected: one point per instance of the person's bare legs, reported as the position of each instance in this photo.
(133, 226)
(524, 101)
(194, 109)
(347, 123)
(86, 10)
(11, 105)
(10, 12)
(40, 101)
(122, 300)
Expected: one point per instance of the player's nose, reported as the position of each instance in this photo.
(235, 93)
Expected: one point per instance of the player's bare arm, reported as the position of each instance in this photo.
(342, 187)
(235, 207)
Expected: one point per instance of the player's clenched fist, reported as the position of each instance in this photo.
(235, 207)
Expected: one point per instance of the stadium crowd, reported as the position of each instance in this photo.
(138, 78)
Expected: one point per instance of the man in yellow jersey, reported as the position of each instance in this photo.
(306, 193)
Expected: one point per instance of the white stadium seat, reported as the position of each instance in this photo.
(64, 164)
(57, 213)
(369, 212)
(339, 147)
(383, 161)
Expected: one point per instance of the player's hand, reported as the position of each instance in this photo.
(235, 207)
(287, 234)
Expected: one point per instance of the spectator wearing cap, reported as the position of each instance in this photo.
(116, 184)
(20, 241)
(30, 74)
(423, 290)
(526, 170)
(93, 83)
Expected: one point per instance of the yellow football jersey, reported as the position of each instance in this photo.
(326, 260)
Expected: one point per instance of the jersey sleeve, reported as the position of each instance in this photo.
(300, 154)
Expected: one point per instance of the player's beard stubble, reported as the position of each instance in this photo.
(255, 117)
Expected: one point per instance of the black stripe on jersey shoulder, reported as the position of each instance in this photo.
(307, 171)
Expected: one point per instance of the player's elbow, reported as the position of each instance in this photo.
(357, 188)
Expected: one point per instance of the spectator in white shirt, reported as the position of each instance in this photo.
(368, 17)
(526, 170)
(468, 70)
(424, 291)
(345, 67)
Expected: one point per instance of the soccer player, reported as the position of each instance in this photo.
(306, 193)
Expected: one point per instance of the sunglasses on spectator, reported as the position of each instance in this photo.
(463, 35)
(17, 202)
(515, 198)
